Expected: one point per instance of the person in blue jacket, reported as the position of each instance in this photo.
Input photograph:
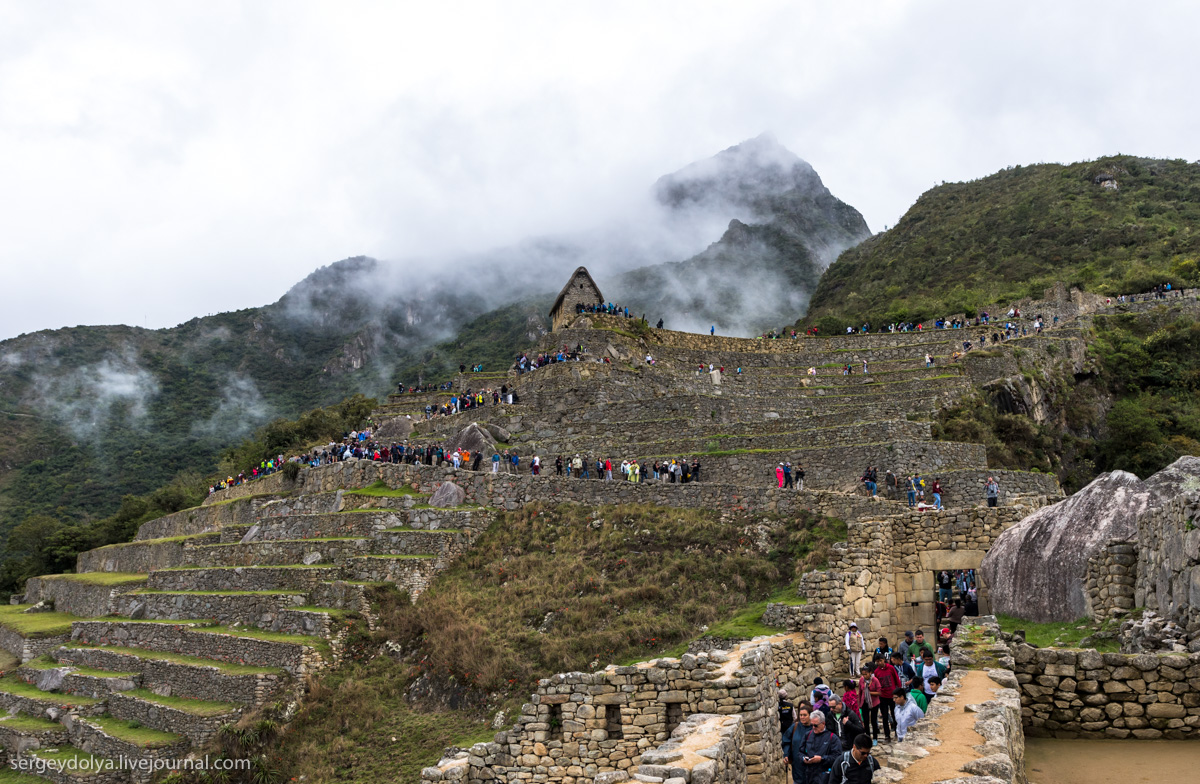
(821, 748)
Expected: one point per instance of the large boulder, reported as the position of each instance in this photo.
(447, 495)
(1036, 569)
(472, 438)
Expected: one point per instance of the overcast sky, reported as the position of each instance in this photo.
(164, 160)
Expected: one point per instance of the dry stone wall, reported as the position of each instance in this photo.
(1087, 694)
(1111, 578)
(1168, 561)
(203, 519)
(74, 596)
(140, 557)
(600, 726)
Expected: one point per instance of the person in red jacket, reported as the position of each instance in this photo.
(889, 682)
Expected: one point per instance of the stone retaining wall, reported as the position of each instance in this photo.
(1109, 584)
(1168, 561)
(242, 578)
(197, 729)
(202, 519)
(26, 648)
(1087, 694)
(75, 596)
(706, 749)
(511, 491)
(297, 660)
(139, 557)
(89, 737)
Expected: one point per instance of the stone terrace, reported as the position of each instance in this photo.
(153, 645)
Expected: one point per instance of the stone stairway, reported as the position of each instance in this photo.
(212, 613)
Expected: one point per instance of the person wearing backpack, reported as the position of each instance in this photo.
(855, 766)
(821, 748)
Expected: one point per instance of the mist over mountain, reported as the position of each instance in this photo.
(97, 412)
(766, 264)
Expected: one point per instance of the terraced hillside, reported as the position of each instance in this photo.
(152, 646)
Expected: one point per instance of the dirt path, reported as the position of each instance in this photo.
(956, 731)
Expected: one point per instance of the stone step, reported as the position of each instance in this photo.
(196, 720)
(279, 552)
(242, 578)
(67, 764)
(296, 654)
(109, 736)
(179, 675)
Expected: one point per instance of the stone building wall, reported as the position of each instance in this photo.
(26, 648)
(1087, 694)
(1110, 580)
(1168, 561)
(599, 726)
(882, 577)
(580, 290)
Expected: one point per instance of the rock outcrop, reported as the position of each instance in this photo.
(472, 438)
(1037, 568)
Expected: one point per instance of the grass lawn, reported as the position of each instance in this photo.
(381, 490)
(10, 776)
(1063, 635)
(64, 754)
(100, 578)
(194, 707)
(133, 732)
(748, 621)
(35, 625)
(318, 643)
(23, 723)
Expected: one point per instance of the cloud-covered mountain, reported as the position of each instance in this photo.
(109, 410)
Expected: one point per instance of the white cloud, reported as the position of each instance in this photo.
(161, 161)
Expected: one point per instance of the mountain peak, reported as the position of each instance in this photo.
(755, 168)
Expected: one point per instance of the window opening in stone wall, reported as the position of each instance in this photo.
(674, 716)
(555, 722)
(612, 722)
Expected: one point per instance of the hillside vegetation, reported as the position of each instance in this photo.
(964, 246)
(547, 589)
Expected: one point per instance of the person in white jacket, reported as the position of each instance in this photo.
(908, 712)
(855, 645)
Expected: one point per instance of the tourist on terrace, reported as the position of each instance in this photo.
(889, 682)
(929, 668)
(855, 766)
(799, 476)
(793, 741)
(821, 748)
(855, 645)
(908, 713)
(992, 491)
(869, 688)
(847, 723)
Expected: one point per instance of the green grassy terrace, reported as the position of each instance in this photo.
(318, 643)
(111, 579)
(134, 733)
(11, 684)
(194, 707)
(381, 490)
(34, 626)
(47, 663)
(1069, 634)
(227, 668)
(23, 723)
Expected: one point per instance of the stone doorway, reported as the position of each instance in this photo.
(917, 593)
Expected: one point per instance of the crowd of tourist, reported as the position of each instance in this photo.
(827, 736)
